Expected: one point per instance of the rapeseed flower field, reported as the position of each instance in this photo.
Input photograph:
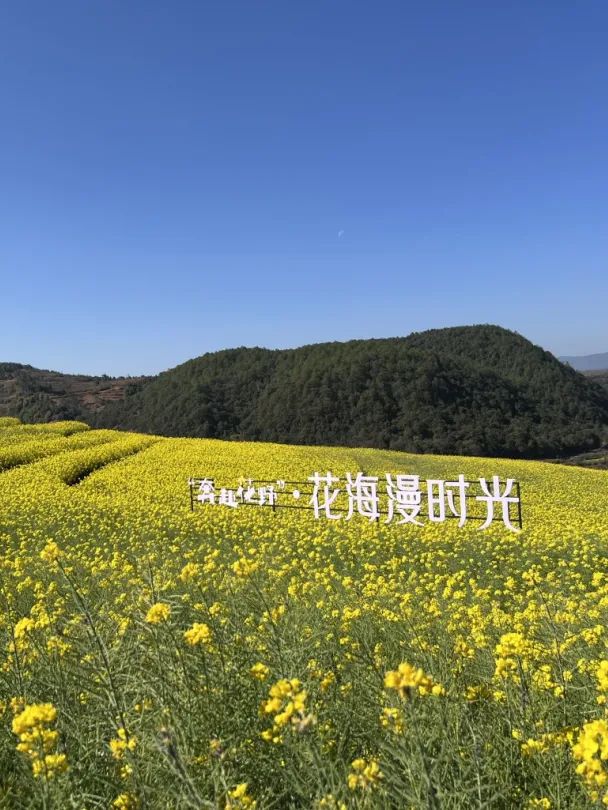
(157, 657)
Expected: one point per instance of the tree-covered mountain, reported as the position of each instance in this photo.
(466, 390)
(36, 395)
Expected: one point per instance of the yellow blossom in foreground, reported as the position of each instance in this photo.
(189, 572)
(545, 742)
(238, 798)
(364, 774)
(591, 752)
(513, 655)
(125, 801)
(159, 612)
(244, 567)
(122, 743)
(514, 627)
(602, 676)
(51, 552)
(49, 765)
(199, 633)
(406, 679)
(478, 692)
(38, 739)
(23, 627)
(34, 716)
(287, 702)
(393, 720)
(259, 671)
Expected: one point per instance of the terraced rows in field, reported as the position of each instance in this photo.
(66, 453)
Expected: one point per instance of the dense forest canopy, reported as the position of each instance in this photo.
(473, 390)
(467, 390)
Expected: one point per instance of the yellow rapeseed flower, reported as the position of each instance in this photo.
(199, 633)
(407, 679)
(259, 671)
(365, 774)
(159, 612)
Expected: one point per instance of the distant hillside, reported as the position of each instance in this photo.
(35, 395)
(588, 362)
(600, 377)
(468, 390)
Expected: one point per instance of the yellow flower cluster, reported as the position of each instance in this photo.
(238, 798)
(122, 743)
(547, 741)
(38, 739)
(407, 680)
(125, 801)
(392, 719)
(602, 680)
(259, 671)
(364, 774)
(287, 702)
(513, 653)
(591, 752)
(199, 633)
(244, 567)
(159, 612)
(51, 552)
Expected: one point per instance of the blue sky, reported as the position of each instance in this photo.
(182, 177)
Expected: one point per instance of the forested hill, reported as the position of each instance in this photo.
(468, 390)
(37, 395)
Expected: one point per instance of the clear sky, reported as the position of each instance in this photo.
(180, 177)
